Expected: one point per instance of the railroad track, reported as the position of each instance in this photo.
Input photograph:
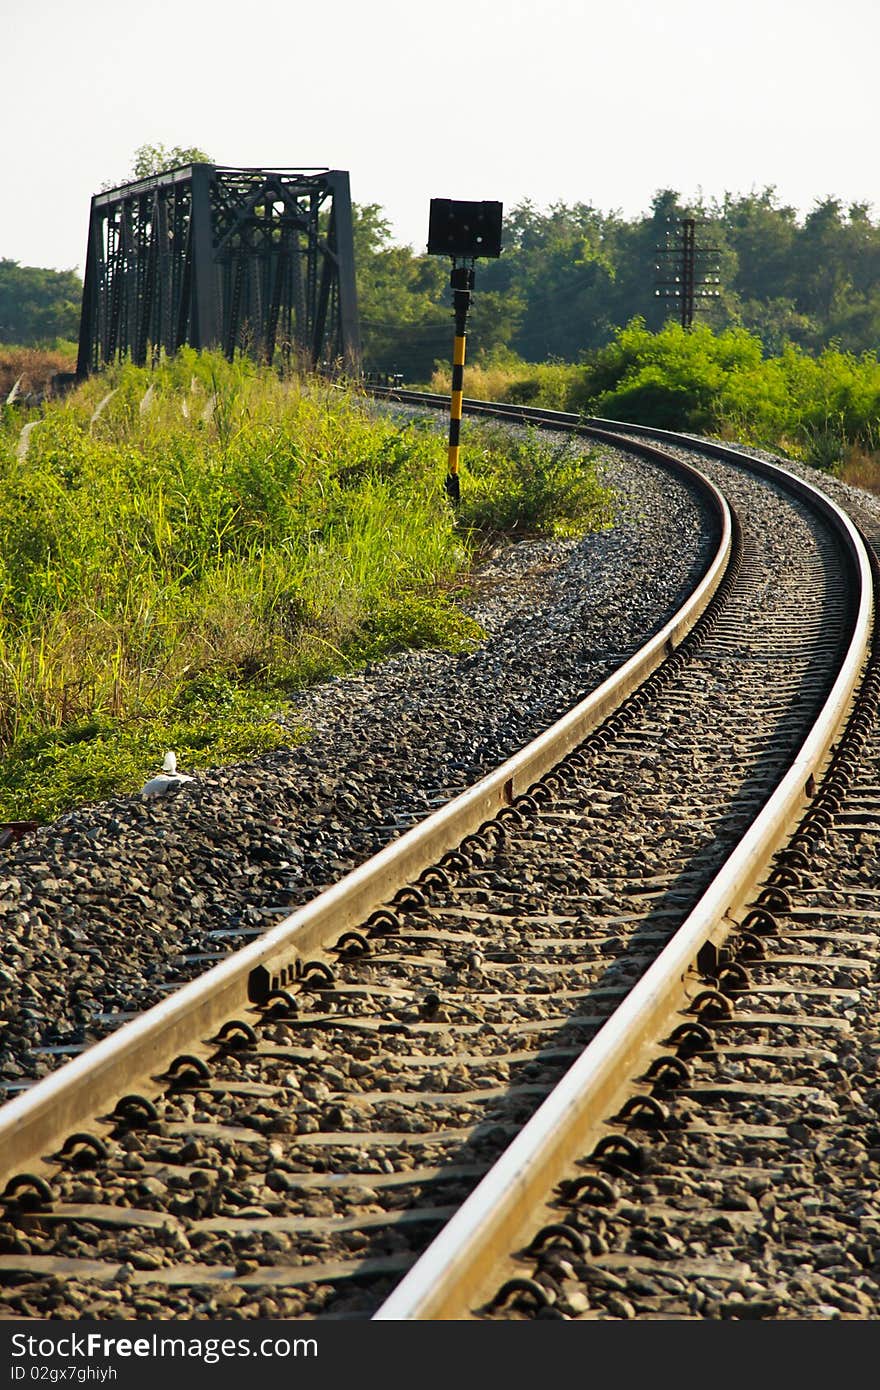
(713, 1181)
(285, 1136)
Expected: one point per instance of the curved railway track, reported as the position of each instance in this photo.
(682, 1172)
(285, 1136)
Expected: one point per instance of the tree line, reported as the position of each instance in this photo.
(568, 278)
(38, 307)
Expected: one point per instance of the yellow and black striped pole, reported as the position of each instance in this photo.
(462, 280)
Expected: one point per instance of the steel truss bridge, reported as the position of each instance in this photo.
(255, 260)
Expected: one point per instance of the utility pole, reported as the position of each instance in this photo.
(463, 231)
(690, 281)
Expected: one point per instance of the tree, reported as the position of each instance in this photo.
(763, 235)
(37, 306)
(157, 159)
(821, 261)
(149, 160)
(555, 270)
(404, 324)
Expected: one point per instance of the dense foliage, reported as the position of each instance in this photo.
(182, 550)
(568, 277)
(38, 306)
(823, 409)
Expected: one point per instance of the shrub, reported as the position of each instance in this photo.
(525, 483)
(182, 550)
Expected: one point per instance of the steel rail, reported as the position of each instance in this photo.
(34, 1123)
(452, 1276)
(589, 425)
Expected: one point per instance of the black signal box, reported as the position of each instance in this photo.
(464, 229)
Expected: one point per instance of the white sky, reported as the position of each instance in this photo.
(597, 101)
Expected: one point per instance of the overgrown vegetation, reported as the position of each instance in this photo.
(522, 483)
(824, 410)
(29, 371)
(37, 307)
(569, 276)
(182, 550)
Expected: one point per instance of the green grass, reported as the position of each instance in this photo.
(519, 482)
(183, 550)
(822, 410)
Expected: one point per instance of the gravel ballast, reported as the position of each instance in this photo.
(108, 908)
(109, 901)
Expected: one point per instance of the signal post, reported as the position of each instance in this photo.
(464, 231)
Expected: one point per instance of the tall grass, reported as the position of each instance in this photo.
(524, 483)
(550, 384)
(823, 410)
(32, 368)
(182, 550)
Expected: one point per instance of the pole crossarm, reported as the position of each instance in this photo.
(692, 279)
(209, 256)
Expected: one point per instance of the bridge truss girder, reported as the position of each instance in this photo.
(256, 260)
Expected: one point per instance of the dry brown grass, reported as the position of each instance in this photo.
(862, 469)
(34, 365)
(482, 383)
